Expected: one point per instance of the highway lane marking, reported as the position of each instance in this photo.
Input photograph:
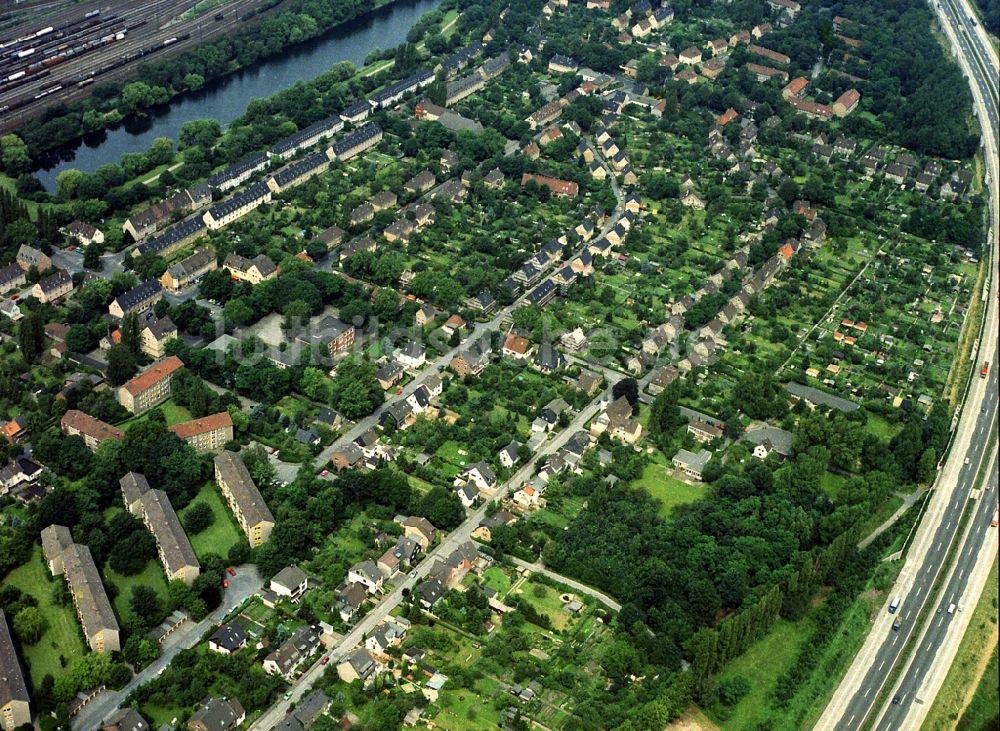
(867, 691)
(851, 719)
(881, 666)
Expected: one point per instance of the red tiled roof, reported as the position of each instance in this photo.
(849, 98)
(728, 116)
(557, 186)
(768, 53)
(188, 429)
(90, 426)
(797, 85)
(516, 344)
(153, 375)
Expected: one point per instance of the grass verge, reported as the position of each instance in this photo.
(978, 644)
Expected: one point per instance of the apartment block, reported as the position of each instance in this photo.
(243, 497)
(94, 431)
(157, 514)
(150, 387)
(207, 434)
(93, 608)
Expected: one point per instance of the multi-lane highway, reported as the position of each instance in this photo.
(854, 702)
(911, 695)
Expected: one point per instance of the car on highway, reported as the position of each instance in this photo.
(231, 571)
(325, 660)
(897, 699)
(966, 460)
(288, 696)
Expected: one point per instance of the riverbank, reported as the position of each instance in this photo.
(259, 61)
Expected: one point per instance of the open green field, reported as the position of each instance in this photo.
(670, 491)
(151, 576)
(63, 637)
(964, 672)
(762, 665)
(223, 534)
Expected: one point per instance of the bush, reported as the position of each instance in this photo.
(199, 517)
(733, 690)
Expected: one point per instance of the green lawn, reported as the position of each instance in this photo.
(881, 428)
(174, 414)
(831, 484)
(223, 534)
(547, 602)
(670, 491)
(63, 637)
(495, 578)
(762, 665)
(151, 576)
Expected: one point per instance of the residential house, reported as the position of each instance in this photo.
(508, 456)
(253, 271)
(691, 464)
(229, 638)
(412, 356)
(217, 714)
(366, 573)
(12, 276)
(53, 287)
(155, 335)
(232, 209)
(703, 431)
(359, 665)
(419, 529)
(617, 421)
(29, 256)
(286, 660)
(189, 270)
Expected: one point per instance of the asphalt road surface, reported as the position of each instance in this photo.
(247, 582)
(951, 598)
(853, 702)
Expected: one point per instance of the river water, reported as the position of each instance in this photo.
(227, 98)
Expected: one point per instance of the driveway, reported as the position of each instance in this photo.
(246, 583)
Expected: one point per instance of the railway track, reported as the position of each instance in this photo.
(55, 62)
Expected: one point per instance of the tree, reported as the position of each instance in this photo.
(627, 387)
(14, 155)
(199, 517)
(29, 625)
(31, 335)
(122, 365)
(145, 604)
(442, 507)
(129, 330)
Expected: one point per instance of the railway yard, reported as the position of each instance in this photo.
(51, 51)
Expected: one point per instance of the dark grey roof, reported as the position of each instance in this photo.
(255, 192)
(138, 295)
(296, 170)
(229, 636)
(172, 235)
